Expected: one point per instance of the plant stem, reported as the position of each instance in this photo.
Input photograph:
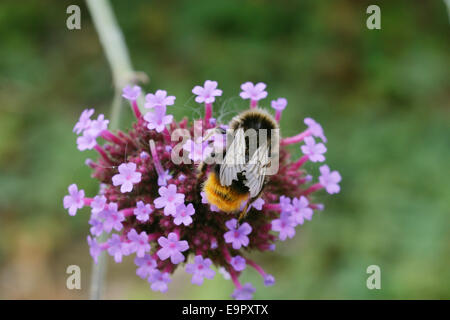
(447, 2)
(116, 52)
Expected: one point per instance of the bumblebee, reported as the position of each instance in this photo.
(241, 175)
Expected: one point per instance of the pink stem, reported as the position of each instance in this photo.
(295, 139)
(317, 206)
(90, 163)
(168, 268)
(102, 153)
(278, 115)
(153, 236)
(104, 246)
(127, 212)
(87, 201)
(226, 254)
(300, 162)
(312, 189)
(167, 135)
(136, 110)
(234, 278)
(208, 112)
(253, 104)
(272, 206)
(256, 267)
(304, 180)
(157, 163)
(109, 136)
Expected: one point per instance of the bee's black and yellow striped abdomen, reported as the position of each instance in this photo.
(226, 198)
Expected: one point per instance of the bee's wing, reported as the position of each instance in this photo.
(234, 160)
(255, 170)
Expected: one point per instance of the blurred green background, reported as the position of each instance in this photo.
(382, 96)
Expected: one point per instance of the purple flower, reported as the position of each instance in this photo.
(279, 104)
(169, 199)
(139, 243)
(320, 206)
(204, 199)
(159, 99)
(97, 226)
(201, 268)
(258, 204)
(183, 214)
(198, 151)
(244, 293)
(158, 200)
(237, 236)
(144, 155)
(157, 120)
(253, 92)
(94, 248)
(75, 199)
(163, 177)
(329, 180)
(98, 204)
(84, 122)
(142, 211)
(131, 93)
(314, 151)
(159, 280)
(285, 225)
(113, 218)
(238, 263)
(126, 177)
(87, 141)
(285, 204)
(207, 93)
(301, 210)
(315, 128)
(171, 247)
(146, 266)
(269, 280)
(116, 248)
(97, 126)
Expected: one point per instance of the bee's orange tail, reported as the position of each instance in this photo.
(223, 197)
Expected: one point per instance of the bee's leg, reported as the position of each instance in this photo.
(244, 212)
(249, 203)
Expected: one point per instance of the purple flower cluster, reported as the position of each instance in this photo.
(155, 209)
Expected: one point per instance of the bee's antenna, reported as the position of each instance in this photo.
(195, 110)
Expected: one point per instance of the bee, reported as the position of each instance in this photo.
(241, 175)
